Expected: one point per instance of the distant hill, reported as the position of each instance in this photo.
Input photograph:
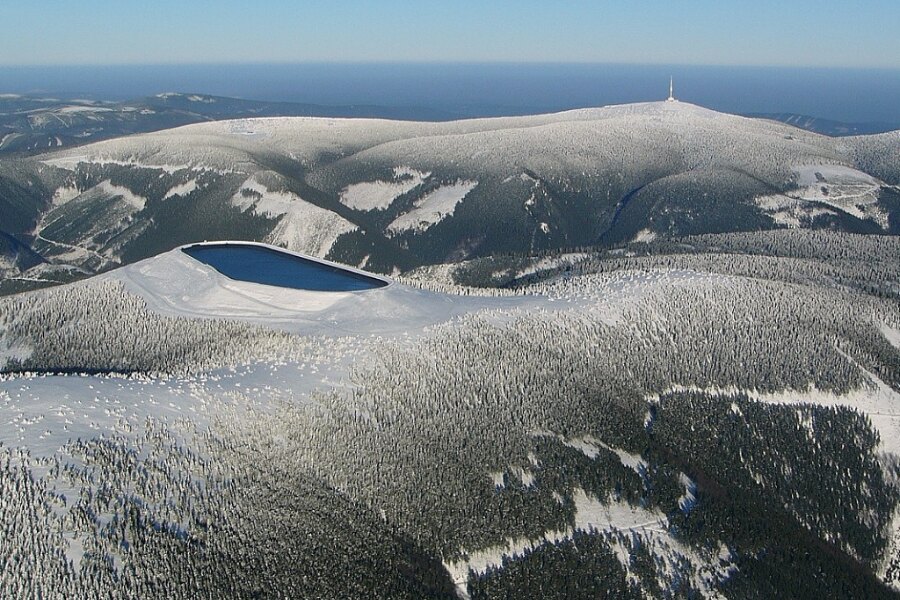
(395, 195)
(30, 125)
(35, 124)
(827, 127)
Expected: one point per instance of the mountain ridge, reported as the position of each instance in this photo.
(394, 195)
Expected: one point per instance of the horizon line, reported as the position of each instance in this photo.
(445, 62)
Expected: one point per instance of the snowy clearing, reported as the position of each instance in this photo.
(182, 190)
(593, 514)
(848, 190)
(891, 334)
(70, 163)
(433, 207)
(810, 175)
(791, 212)
(302, 227)
(84, 109)
(117, 191)
(373, 195)
(644, 235)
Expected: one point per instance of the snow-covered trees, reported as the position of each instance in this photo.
(652, 423)
(100, 328)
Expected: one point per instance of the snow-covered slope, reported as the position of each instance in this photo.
(177, 285)
(569, 140)
(375, 195)
(504, 441)
(433, 208)
(302, 226)
(387, 193)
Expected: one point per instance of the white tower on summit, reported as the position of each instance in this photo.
(671, 90)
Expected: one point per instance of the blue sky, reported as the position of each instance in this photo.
(725, 32)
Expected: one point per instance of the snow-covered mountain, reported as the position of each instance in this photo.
(395, 195)
(715, 419)
(34, 124)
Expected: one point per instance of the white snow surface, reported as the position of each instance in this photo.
(501, 146)
(8, 136)
(83, 109)
(811, 175)
(791, 212)
(302, 227)
(645, 235)
(175, 284)
(433, 207)
(846, 189)
(129, 197)
(372, 195)
(593, 514)
(70, 162)
(891, 334)
(182, 190)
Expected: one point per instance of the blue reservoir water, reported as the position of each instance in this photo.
(258, 264)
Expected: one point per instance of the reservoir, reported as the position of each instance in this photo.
(270, 266)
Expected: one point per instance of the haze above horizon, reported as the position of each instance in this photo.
(799, 33)
(467, 90)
